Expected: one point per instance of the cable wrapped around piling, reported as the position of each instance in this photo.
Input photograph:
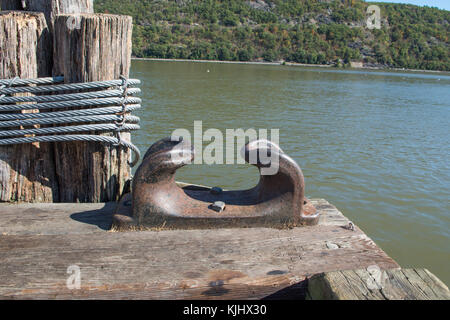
(102, 106)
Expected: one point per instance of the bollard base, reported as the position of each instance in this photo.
(123, 219)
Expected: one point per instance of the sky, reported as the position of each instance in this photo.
(441, 4)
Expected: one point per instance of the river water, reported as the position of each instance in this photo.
(375, 144)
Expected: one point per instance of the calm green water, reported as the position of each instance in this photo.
(375, 144)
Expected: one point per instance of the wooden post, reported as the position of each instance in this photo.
(50, 8)
(27, 171)
(99, 48)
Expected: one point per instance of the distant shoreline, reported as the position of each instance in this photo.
(295, 64)
(237, 62)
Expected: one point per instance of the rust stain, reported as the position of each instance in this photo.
(188, 284)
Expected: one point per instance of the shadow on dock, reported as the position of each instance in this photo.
(298, 291)
(101, 218)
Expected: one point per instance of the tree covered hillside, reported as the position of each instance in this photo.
(304, 31)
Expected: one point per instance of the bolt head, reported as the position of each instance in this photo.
(218, 206)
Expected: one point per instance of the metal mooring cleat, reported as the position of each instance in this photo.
(158, 202)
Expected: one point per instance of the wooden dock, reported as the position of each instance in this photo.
(404, 284)
(39, 242)
(46, 248)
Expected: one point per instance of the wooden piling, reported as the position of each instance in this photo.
(50, 8)
(86, 47)
(97, 47)
(27, 171)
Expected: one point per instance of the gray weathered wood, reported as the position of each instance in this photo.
(205, 264)
(404, 284)
(55, 218)
(63, 218)
(87, 47)
(99, 48)
(50, 8)
(27, 171)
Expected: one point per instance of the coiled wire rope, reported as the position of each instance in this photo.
(103, 106)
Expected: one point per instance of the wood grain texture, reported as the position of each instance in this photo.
(55, 218)
(27, 171)
(251, 263)
(404, 284)
(50, 8)
(100, 49)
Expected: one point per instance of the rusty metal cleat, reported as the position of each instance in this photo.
(158, 202)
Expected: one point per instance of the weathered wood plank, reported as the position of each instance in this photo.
(363, 284)
(55, 218)
(161, 263)
(64, 218)
(248, 263)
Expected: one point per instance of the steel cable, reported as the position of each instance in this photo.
(110, 104)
